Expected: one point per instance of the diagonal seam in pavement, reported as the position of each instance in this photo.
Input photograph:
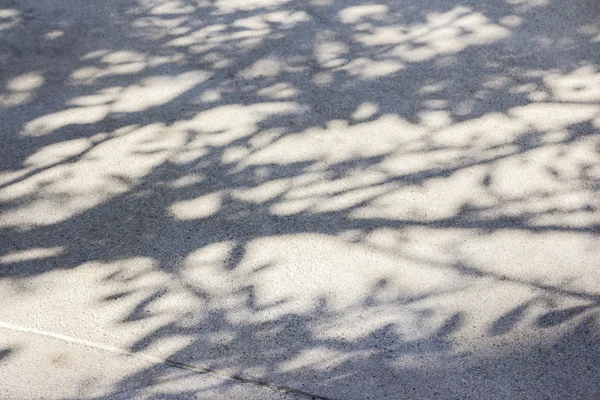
(158, 360)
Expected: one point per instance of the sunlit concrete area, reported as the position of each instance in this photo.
(285, 199)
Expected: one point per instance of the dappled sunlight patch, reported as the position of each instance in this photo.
(487, 134)
(436, 119)
(266, 67)
(147, 145)
(329, 51)
(9, 18)
(524, 177)
(104, 96)
(48, 123)
(21, 89)
(64, 189)
(122, 57)
(548, 171)
(446, 33)
(577, 214)
(52, 208)
(133, 271)
(582, 85)
(55, 34)
(172, 8)
(210, 96)
(365, 111)
(554, 116)
(130, 68)
(204, 269)
(198, 208)
(355, 14)
(561, 260)
(234, 154)
(14, 99)
(293, 206)
(372, 69)
(77, 291)
(27, 82)
(318, 359)
(186, 181)
(322, 264)
(529, 4)
(209, 33)
(119, 63)
(162, 26)
(156, 91)
(281, 90)
(436, 198)
(190, 153)
(264, 192)
(58, 152)
(230, 6)
(95, 54)
(86, 73)
(249, 33)
(144, 298)
(358, 179)
(31, 254)
(221, 125)
(286, 18)
(345, 200)
(339, 142)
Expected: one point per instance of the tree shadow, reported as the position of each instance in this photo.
(328, 196)
(4, 353)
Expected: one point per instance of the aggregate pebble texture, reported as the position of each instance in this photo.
(284, 199)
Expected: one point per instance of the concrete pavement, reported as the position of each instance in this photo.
(279, 199)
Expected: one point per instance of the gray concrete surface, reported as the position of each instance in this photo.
(45, 365)
(347, 199)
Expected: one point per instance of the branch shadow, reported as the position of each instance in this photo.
(231, 154)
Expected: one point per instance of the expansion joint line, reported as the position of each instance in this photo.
(159, 360)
